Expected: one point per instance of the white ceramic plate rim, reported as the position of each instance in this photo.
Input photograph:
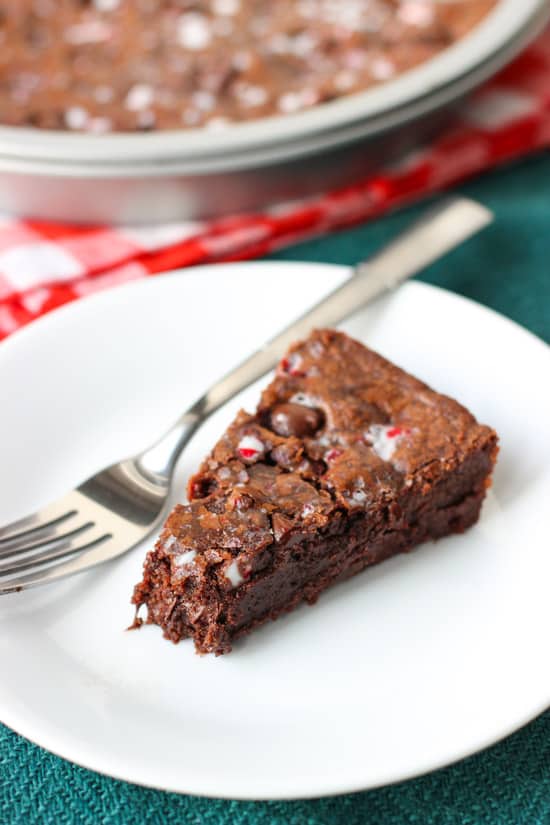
(65, 746)
(506, 22)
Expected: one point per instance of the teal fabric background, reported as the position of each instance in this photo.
(507, 268)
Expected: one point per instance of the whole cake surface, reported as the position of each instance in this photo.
(347, 460)
(130, 65)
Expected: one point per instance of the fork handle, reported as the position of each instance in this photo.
(439, 230)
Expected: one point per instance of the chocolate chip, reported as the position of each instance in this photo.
(295, 419)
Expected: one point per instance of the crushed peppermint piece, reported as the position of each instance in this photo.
(100, 125)
(76, 118)
(416, 13)
(250, 447)
(345, 80)
(106, 5)
(292, 365)
(233, 573)
(194, 31)
(316, 349)
(303, 43)
(355, 59)
(226, 7)
(139, 97)
(204, 100)
(279, 43)
(217, 124)
(242, 61)
(294, 101)
(382, 69)
(90, 31)
(250, 95)
(290, 102)
(358, 497)
(170, 542)
(384, 439)
(333, 454)
(185, 558)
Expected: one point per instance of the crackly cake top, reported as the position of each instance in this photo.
(125, 65)
(339, 431)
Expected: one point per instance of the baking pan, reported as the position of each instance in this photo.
(162, 176)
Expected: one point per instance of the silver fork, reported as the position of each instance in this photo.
(115, 509)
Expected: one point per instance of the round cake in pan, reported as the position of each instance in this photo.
(137, 65)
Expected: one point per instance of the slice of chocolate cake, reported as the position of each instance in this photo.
(347, 461)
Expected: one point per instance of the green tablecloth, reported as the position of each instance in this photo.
(507, 268)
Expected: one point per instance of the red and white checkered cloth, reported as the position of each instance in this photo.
(44, 265)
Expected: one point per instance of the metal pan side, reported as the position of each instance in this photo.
(511, 21)
(162, 187)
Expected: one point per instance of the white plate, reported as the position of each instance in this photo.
(407, 667)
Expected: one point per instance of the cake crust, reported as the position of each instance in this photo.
(348, 460)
